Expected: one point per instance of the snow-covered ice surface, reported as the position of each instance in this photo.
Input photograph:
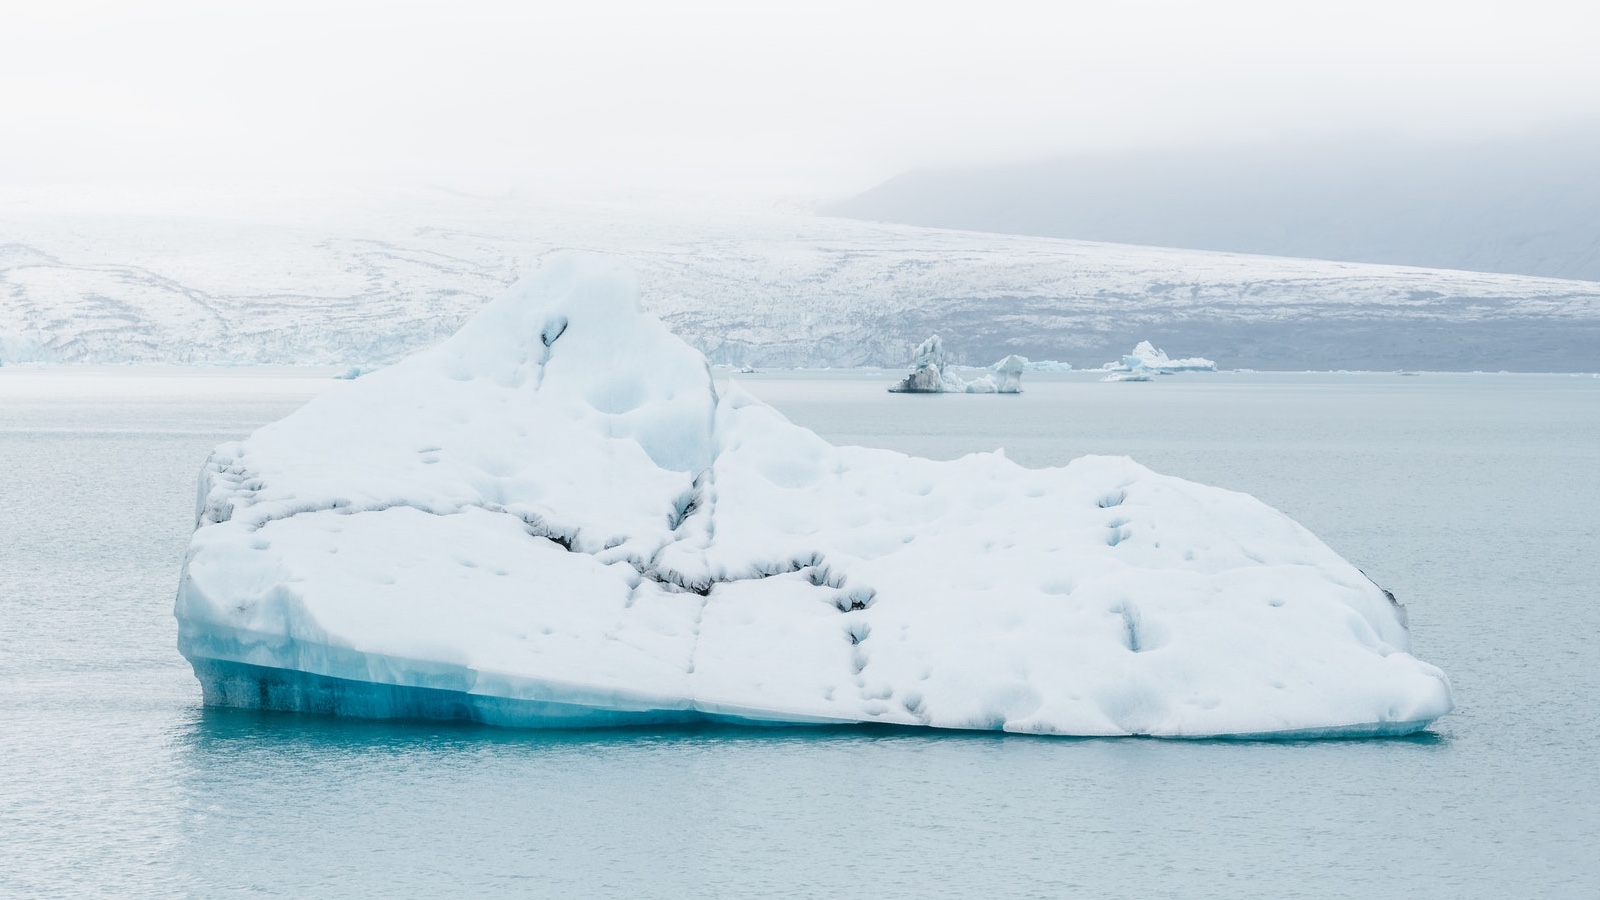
(1146, 362)
(1004, 377)
(554, 518)
(1146, 357)
(344, 277)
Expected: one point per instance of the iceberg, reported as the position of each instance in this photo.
(1007, 374)
(928, 376)
(931, 374)
(557, 518)
(1147, 360)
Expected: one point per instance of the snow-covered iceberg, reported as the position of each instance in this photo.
(1004, 377)
(1047, 365)
(931, 374)
(1147, 360)
(556, 518)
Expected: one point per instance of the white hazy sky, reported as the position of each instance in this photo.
(814, 96)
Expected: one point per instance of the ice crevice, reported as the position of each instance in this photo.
(814, 564)
(696, 556)
(548, 336)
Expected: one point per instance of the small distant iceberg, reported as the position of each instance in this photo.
(930, 374)
(927, 376)
(1047, 365)
(1146, 356)
(1147, 360)
(1004, 377)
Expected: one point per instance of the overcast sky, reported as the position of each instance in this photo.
(814, 96)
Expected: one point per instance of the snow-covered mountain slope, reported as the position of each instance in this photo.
(1525, 204)
(358, 277)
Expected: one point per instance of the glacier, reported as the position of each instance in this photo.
(556, 518)
(343, 275)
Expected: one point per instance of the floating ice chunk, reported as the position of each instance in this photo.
(554, 519)
(932, 374)
(1008, 374)
(924, 380)
(1004, 377)
(1048, 365)
(1146, 358)
(929, 373)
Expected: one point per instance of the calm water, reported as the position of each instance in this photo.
(1476, 498)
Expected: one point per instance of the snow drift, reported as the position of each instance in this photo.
(554, 518)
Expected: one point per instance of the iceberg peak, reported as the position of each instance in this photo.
(574, 329)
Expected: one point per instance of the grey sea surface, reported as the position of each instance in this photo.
(1475, 498)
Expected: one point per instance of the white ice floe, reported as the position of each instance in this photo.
(555, 518)
(1004, 377)
(1146, 359)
